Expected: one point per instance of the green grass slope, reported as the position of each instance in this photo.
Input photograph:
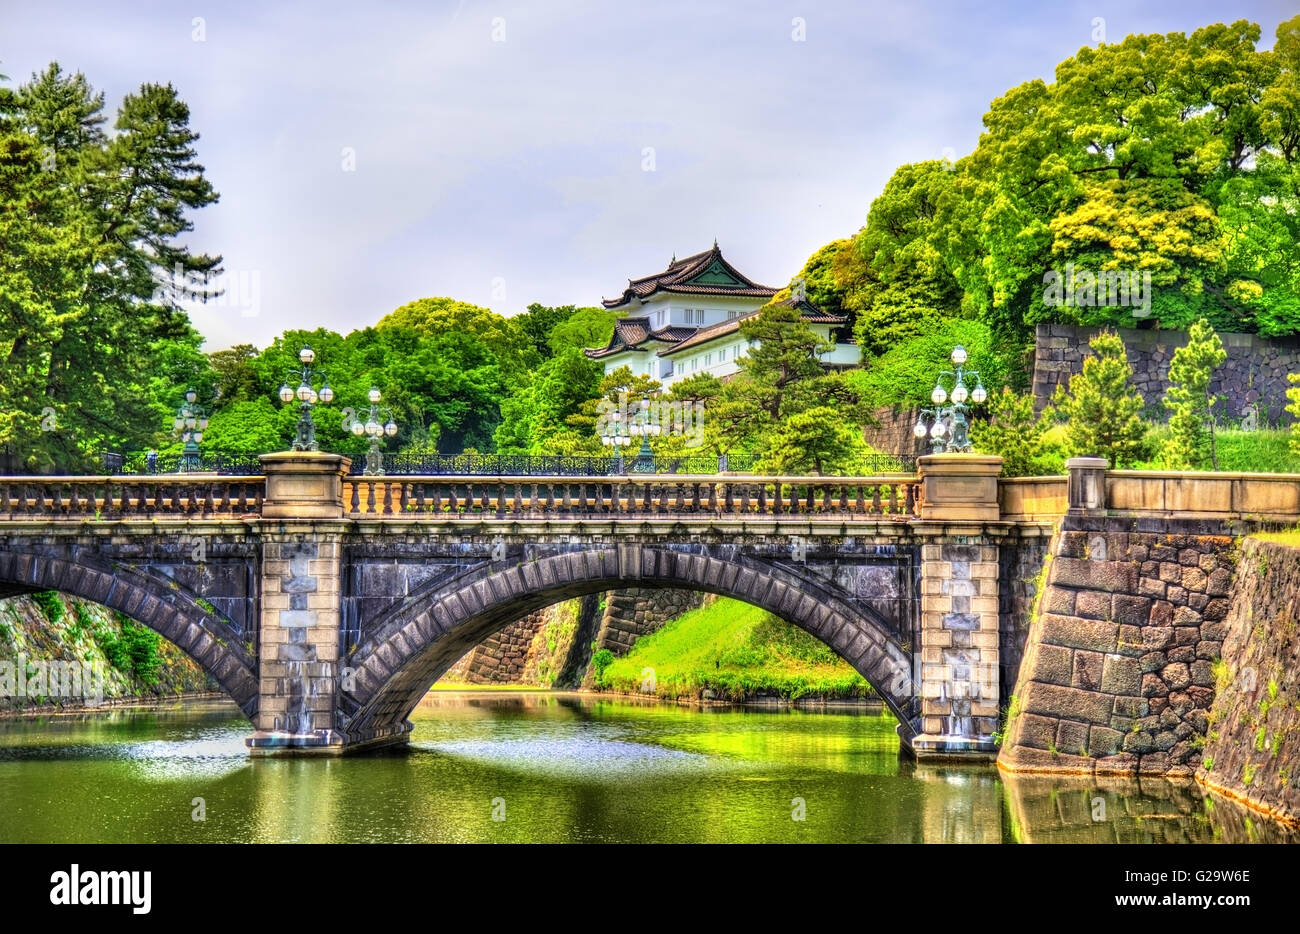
(735, 650)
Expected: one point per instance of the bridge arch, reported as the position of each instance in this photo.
(157, 603)
(410, 648)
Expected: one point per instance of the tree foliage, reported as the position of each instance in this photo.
(1013, 432)
(1191, 431)
(1101, 409)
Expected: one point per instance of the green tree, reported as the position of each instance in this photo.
(1013, 432)
(100, 349)
(1191, 429)
(536, 325)
(1101, 409)
(816, 440)
(903, 285)
(586, 327)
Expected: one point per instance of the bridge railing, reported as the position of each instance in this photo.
(130, 497)
(885, 497)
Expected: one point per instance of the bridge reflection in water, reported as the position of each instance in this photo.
(565, 767)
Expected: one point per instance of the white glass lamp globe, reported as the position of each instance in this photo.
(959, 394)
(326, 394)
(979, 395)
(938, 396)
(304, 393)
(937, 430)
(198, 436)
(374, 429)
(390, 429)
(178, 424)
(959, 355)
(358, 428)
(919, 431)
(306, 355)
(313, 398)
(190, 395)
(286, 394)
(374, 395)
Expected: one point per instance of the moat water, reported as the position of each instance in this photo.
(557, 767)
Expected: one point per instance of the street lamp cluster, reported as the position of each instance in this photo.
(191, 420)
(372, 428)
(307, 396)
(190, 423)
(619, 431)
(948, 426)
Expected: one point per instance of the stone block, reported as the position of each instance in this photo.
(1152, 587)
(1104, 742)
(1055, 665)
(1133, 611)
(1093, 635)
(1176, 676)
(1071, 703)
(1089, 604)
(1087, 669)
(1194, 579)
(1072, 737)
(1121, 675)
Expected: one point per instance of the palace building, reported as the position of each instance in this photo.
(686, 320)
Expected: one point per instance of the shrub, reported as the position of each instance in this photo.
(51, 605)
(600, 661)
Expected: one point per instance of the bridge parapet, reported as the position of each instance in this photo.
(893, 497)
(186, 496)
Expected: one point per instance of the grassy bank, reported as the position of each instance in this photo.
(735, 651)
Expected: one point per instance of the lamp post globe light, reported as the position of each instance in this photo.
(190, 423)
(948, 426)
(372, 427)
(619, 430)
(307, 396)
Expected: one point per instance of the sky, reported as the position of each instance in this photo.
(502, 153)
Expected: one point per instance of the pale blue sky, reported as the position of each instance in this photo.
(505, 172)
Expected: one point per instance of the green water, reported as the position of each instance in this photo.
(560, 767)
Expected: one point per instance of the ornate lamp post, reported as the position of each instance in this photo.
(372, 427)
(949, 428)
(614, 433)
(618, 431)
(644, 426)
(305, 438)
(190, 423)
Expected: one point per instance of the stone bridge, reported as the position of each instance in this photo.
(326, 605)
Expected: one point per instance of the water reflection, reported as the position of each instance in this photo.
(564, 767)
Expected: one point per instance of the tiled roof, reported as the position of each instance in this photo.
(706, 273)
(809, 314)
(631, 333)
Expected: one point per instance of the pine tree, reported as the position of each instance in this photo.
(1191, 430)
(1101, 408)
(1013, 432)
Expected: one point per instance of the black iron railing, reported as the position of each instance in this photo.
(138, 463)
